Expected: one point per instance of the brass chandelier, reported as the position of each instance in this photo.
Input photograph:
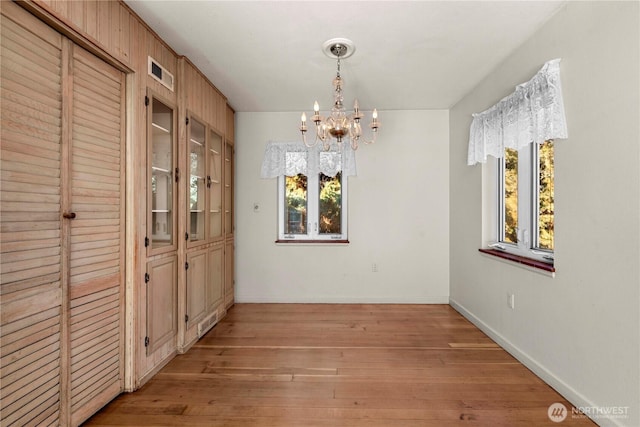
(338, 124)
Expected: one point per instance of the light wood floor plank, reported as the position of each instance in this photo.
(305, 365)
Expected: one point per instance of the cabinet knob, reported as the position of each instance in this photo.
(69, 215)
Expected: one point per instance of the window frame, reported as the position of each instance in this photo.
(527, 230)
(313, 213)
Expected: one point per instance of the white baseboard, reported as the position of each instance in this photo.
(572, 395)
(287, 299)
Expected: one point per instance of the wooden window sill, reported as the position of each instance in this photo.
(534, 263)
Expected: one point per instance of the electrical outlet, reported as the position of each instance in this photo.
(374, 267)
(511, 300)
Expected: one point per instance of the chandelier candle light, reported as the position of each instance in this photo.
(338, 124)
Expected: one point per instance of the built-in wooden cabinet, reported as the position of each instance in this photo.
(215, 277)
(228, 189)
(158, 313)
(117, 207)
(229, 224)
(215, 182)
(208, 201)
(229, 277)
(62, 228)
(163, 175)
(198, 182)
(204, 189)
(162, 304)
(197, 306)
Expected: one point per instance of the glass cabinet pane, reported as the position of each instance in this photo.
(161, 175)
(215, 185)
(197, 181)
(228, 189)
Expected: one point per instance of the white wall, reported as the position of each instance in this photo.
(398, 218)
(580, 330)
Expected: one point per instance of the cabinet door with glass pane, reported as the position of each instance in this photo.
(196, 208)
(214, 181)
(161, 220)
(228, 190)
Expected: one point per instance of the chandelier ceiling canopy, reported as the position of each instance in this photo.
(338, 124)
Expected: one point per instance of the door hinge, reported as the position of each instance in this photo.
(186, 121)
(186, 236)
(186, 318)
(146, 242)
(146, 341)
(146, 101)
(186, 265)
(177, 174)
(146, 277)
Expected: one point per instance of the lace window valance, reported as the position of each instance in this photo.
(292, 158)
(533, 113)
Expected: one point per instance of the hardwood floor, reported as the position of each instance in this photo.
(340, 365)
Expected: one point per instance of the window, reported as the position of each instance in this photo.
(312, 189)
(312, 207)
(526, 201)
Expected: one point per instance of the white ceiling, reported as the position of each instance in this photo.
(267, 55)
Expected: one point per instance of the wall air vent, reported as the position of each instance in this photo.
(206, 324)
(160, 73)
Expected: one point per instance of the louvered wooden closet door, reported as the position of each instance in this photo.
(61, 285)
(96, 257)
(31, 275)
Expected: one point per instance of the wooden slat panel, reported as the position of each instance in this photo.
(88, 330)
(95, 315)
(103, 388)
(95, 173)
(29, 374)
(24, 410)
(32, 41)
(36, 103)
(51, 350)
(11, 332)
(49, 416)
(40, 235)
(96, 341)
(16, 308)
(24, 112)
(92, 244)
(102, 295)
(76, 14)
(82, 257)
(28, 264)
(96, 233)
(124, 46)
(87, 380)
(15, 287)
(31, 147)
(83, 376)
(91, 18)
(12, 223)
(104, 22)
(23, 345)
(81, 359)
